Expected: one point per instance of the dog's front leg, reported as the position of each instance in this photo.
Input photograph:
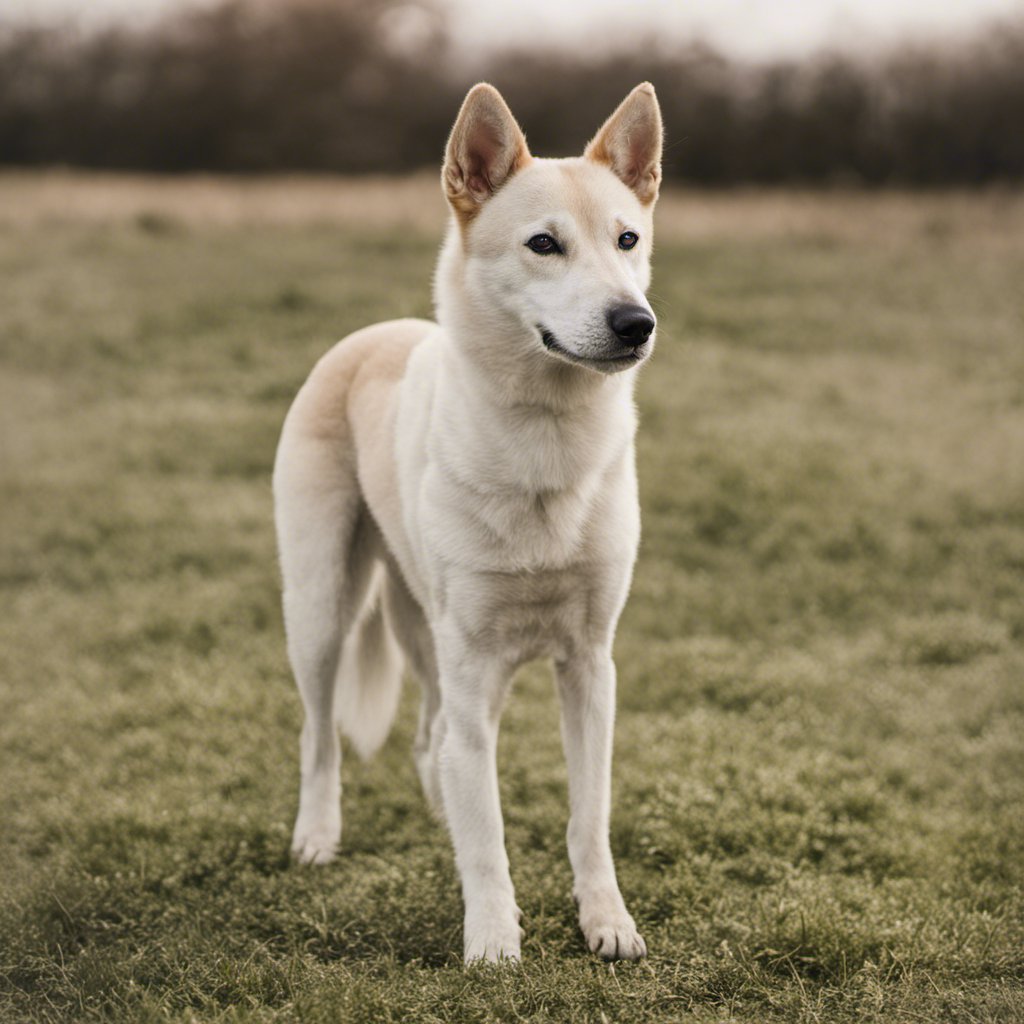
(471, 698)
(586, 687)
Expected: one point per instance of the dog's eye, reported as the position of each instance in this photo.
(544, 244)
(628, 239)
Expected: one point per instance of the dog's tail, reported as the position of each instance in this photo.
(369, 678)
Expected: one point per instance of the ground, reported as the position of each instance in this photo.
(819, 775)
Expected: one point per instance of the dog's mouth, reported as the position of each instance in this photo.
(549, 340)
(606, 363)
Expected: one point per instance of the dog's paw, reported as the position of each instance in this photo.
(618, 941)
(609, 930)
(314, 851)
(316, 842)
(496, 939)
(493, 946)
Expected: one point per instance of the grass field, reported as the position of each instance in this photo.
(819, 784)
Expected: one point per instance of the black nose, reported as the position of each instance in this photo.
(632, 325)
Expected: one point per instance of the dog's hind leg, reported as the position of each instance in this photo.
(415, 639)
(326, 566)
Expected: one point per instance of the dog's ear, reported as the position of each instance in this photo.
(486, 147)
(629, 142)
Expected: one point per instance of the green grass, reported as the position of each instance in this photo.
(819, 784)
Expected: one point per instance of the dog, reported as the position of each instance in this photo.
(459, 497)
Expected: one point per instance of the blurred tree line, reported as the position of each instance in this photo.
(373, 85)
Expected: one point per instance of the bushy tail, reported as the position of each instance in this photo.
(369, 678)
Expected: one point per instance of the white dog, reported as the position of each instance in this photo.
(461, 497)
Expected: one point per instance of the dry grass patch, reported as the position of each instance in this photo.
(819, 749)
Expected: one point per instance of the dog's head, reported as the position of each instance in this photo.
(558, 248)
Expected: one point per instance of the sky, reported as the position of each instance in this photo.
(744, 29)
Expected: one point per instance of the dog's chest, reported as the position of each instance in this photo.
(526, 498)
(536, 575)
(533, 530)
(521, 615)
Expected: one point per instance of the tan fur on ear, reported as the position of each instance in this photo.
(485, 148)
(629, 142)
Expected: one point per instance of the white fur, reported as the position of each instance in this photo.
(465, 494)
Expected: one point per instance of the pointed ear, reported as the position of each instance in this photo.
(629, 142)
(485, 149)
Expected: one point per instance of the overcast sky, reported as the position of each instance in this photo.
(740, 28)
